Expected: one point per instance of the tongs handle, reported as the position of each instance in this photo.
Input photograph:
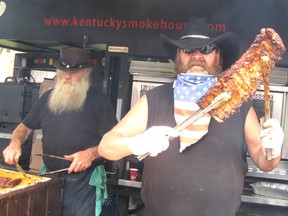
(19, 168)
(52, 172)
(220, 99)
(267, 111)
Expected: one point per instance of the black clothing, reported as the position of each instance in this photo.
(81, 200)
(71, 132)
(68, 133)
(207, 178)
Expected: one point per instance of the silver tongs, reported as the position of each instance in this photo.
(53, 172)
(55, 157)
(19, 168)
(267, 110)
(52, 156)
(219, 100)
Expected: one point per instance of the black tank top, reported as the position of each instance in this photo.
(207, 178)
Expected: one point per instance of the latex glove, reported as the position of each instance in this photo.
(272, 137)
(153, 141)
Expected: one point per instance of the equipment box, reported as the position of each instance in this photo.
(16, 101)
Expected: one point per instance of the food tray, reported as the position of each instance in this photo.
(270, 189)
(34, 196)
(25, 182)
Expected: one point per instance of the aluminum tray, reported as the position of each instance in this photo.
(270, 189)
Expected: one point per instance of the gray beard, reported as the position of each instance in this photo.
(68, 97)
(214, 70)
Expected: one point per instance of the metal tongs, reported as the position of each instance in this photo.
(53, 172)
(52, 156)
(56, 157)
(219, 100)
(267, 112)
(19, 168)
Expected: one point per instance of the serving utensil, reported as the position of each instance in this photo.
(55, 171)
(52, 156)
(19, 168)
(55, 157)
(220, 99)
(267, 112)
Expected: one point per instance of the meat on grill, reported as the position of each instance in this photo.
(6, 182)
(244, 77)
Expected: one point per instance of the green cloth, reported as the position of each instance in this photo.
(43, 169)
(98, 179)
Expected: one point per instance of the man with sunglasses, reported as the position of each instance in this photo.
(73, 117)
(201, 171)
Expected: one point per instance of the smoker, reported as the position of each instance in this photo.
(15, 102)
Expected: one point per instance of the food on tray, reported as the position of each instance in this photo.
(6, 182)
(13, 180)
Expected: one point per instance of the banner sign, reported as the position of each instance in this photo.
(137, 24)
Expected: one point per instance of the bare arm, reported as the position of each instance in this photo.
(13, 151)
(114, 144)
(131, 135)
(253, 139)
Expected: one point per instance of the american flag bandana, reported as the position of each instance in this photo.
(188, 88)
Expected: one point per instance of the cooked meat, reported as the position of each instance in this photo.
(6, 182)
(244, 77)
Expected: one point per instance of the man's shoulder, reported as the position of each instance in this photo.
(162, 88)
(45, 95)
(95, 92)
(160, 93)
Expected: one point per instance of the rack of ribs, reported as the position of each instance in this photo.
(244, 77)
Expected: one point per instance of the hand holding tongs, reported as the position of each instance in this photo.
(56, 157)
(220, 99)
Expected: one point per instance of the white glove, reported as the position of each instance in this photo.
(272, 137)
(153, 141)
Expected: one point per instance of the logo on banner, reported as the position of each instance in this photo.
(2, 7)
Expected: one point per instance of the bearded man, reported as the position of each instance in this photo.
(73, 117)
(202, 172)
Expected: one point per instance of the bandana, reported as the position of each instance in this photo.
(188, 88)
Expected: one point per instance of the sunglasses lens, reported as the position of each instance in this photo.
(204, 50)
(188, 50)
(207, 49)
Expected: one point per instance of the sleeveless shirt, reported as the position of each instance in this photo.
(204, 180)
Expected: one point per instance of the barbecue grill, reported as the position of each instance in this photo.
(34, 196)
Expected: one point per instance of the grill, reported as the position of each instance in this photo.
(33, 197)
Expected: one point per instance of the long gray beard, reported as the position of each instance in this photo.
(68, 97)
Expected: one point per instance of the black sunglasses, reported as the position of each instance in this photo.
(203, 50)
(70, 66)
